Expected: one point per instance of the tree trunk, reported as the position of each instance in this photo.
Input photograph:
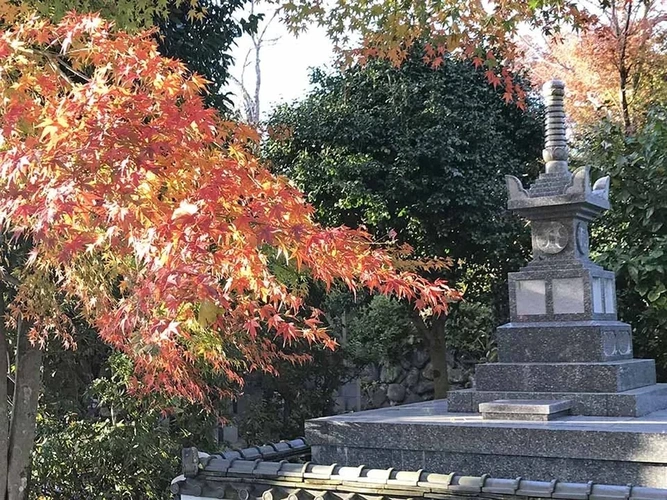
(623, 70)
(24, 415)
(625, 108)
(437, 347)
(4, 407)
(438, 352)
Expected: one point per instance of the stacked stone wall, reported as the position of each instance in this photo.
(409, 380)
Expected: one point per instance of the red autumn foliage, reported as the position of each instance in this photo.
(150, 212)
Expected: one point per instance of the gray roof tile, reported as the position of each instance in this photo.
(277, 479)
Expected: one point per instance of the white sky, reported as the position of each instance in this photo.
(285, 64)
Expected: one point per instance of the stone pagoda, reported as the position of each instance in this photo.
(566, 402)
(564, 341)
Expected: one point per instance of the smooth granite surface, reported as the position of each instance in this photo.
(574, 341)
(633, 403)
(525, 409)
(572, 448)
(610, 376)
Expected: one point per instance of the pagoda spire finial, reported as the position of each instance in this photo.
(555, 151)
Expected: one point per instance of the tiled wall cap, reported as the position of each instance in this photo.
(295, 494)
(320, 471)
(640, 493)
(292, 470)
(267, 450)
(229, 455)
(436, 481)
(233, 464)
(296, 443)
(243, 493)
(482, 481)
(269, 494)
(175, 485)
(250, 453)
(575, 491)
(267, 469)
(500, 486)
(470, 484)
(347, 473)
(609, 492)
(190, 461)
(405, 478)
(244, 467)
(282, 446)
(538, 489)
(217, 464)
(375, 476)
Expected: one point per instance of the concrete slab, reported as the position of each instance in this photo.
(525, 409)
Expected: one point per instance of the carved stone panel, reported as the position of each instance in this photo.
(568, 295)
(531, 297)
(582, 239)
(550, 237)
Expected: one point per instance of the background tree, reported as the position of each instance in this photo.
(204, 42)
(613, 67)
(484, 32)
(419, 154)
(127, 14)
(259, 39)
(631, 237)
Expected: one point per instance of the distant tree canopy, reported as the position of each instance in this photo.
(630, 239)
(205, 43)
(419, 151)
(418, 154)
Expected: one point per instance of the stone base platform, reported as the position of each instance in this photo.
(609, 450)
(610, 376)
(633, 403)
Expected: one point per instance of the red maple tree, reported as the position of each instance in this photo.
(150, 212)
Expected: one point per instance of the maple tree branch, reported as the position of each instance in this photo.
(9, 279)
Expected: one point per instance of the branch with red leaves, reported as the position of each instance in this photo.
(149, 211)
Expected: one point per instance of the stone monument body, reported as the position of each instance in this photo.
(564, 341)
(566, 401)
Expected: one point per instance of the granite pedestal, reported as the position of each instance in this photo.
(564, 341)
(426, 436)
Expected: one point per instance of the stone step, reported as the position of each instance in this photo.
(566, 341)
(534, 410)
(610, 376)
(633, 403)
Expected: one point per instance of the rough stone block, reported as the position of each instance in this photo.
(573, 341)
(525, 409)
(612, 376)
